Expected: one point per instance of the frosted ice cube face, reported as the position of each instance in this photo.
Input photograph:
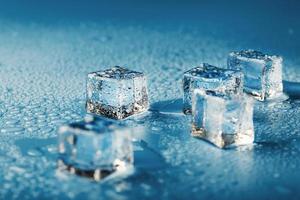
(263, 73)
(225, 121)
(116, 93)
(94, 147)
(208, 77)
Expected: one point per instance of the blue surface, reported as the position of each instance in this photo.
(48, 48)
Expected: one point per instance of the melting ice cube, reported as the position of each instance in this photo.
(116, 93)
(263, 73)
(95, 147)
(208, 77)
(223, 120)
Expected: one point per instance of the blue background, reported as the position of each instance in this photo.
(48, 47)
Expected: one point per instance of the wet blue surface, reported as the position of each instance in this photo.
(48, 48)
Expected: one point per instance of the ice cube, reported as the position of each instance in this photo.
(95, 147)
(116, 93)
(263, 73)
(208, 77)
(223, 120)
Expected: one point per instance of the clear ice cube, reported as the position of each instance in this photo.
(94, 147)
(225, 121)
(116, 93)
(263, 73)
(208, 77)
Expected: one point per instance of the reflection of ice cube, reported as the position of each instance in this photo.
(208, 77)
(116, 93)
(223, 120)
(263, 73)
(94, 147)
